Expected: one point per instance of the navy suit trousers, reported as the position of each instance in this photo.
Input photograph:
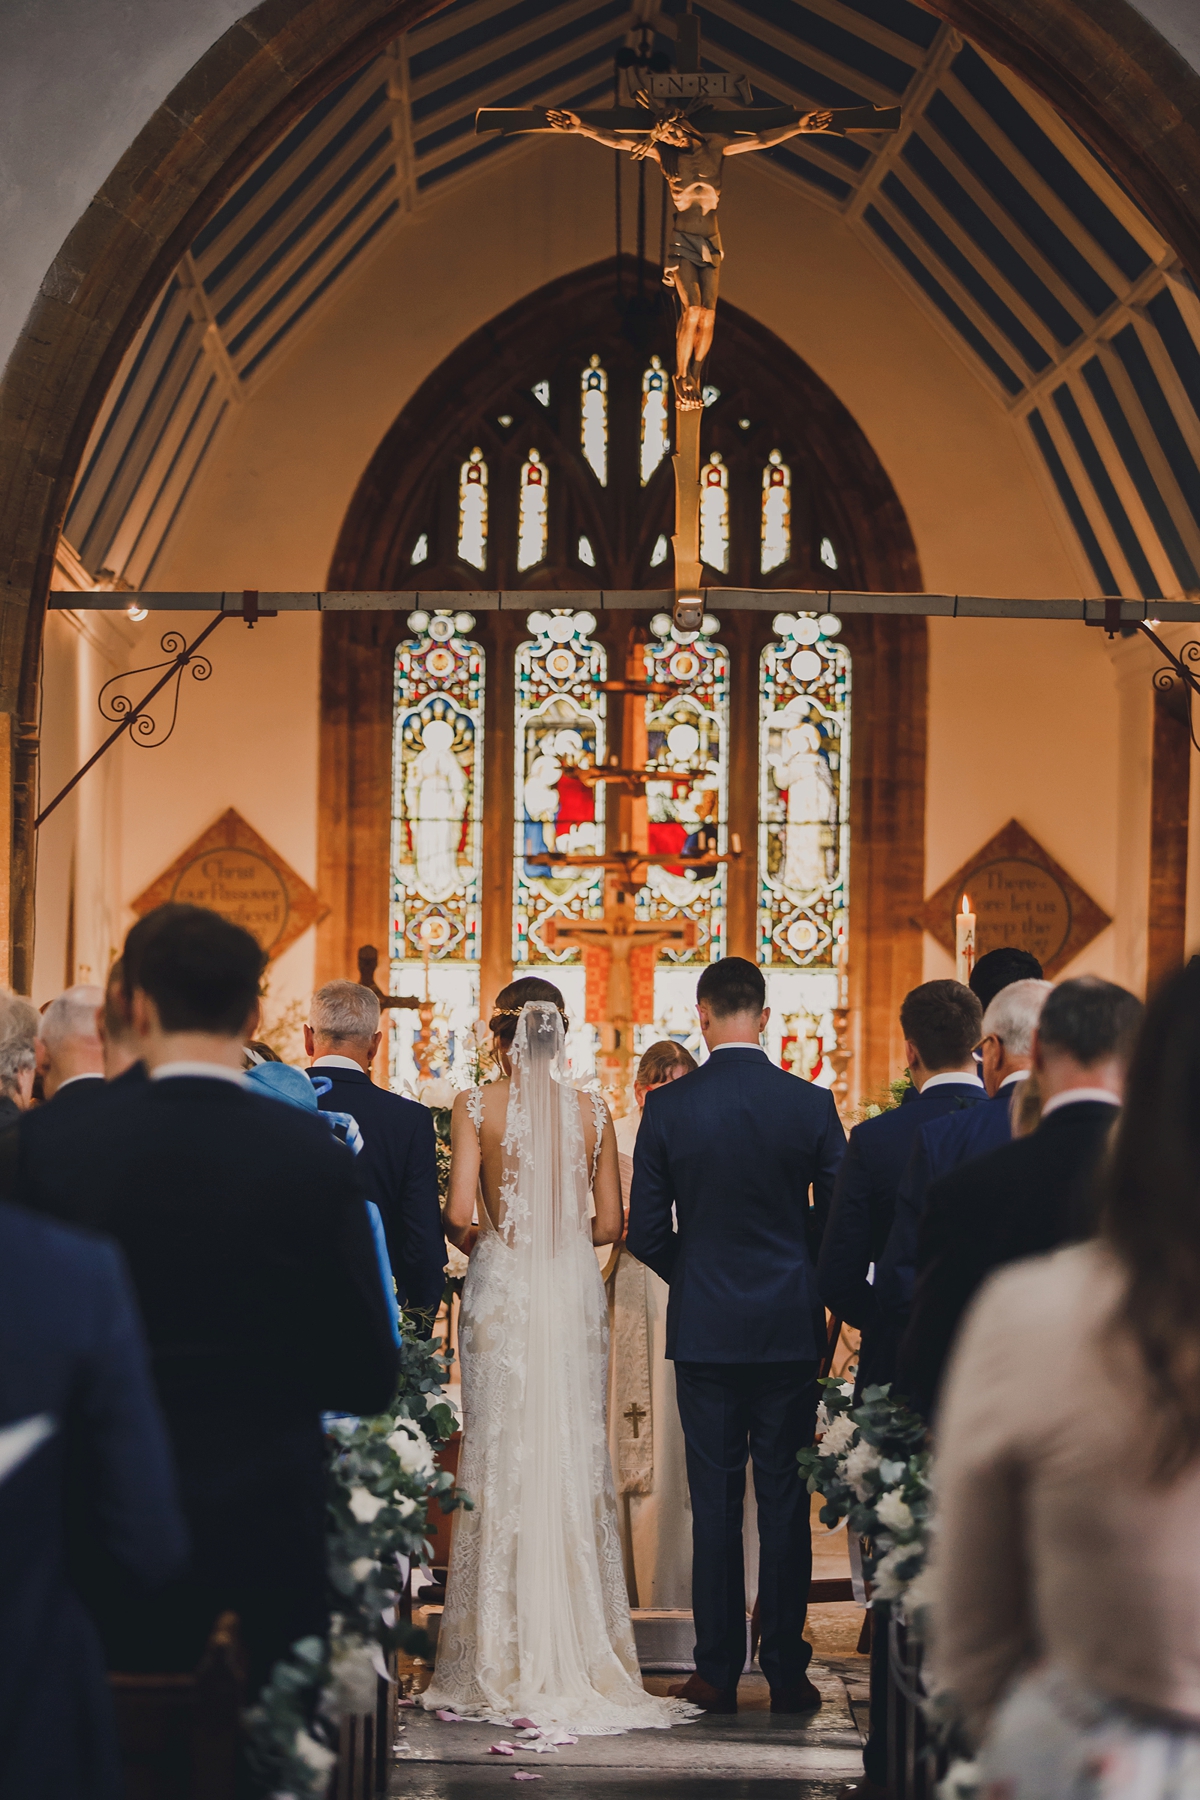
(766, 1411)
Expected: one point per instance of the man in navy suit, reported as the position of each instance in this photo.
(1006, 1053)
(398, 1158)
(251, 1255)
(941, 1022)
(84, 1468)
(734, 1148)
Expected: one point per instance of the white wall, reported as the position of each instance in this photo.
(246, 738)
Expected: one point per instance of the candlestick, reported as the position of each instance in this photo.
(964, 940)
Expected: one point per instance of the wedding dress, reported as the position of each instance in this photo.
(536, 1624)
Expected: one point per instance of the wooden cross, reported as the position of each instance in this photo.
(635, 1414)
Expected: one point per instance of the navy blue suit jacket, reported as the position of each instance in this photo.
(864, 1205)
(734, 1148)
(940, 1147)
(96, 1472)
(399, 1165)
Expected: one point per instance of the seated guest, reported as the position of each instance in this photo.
(68, 1049)
(1032, 1194)
(83, 1453)
(122, 1051)
(941, 1023)
(399, 1159)
(18, 1033)
(1006, 1053)
(252, 1258)
(1066, 1576)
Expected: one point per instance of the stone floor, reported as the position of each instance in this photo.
(753, 1756)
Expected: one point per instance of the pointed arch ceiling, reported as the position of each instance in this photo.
(1025, 250)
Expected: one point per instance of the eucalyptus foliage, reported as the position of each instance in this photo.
(381, 1474)
(871, 1468)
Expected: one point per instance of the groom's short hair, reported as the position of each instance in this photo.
(731, 986)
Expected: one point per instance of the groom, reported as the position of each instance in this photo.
(735, 1148)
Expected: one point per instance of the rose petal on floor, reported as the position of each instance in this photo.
(501, 1749)
(524, 1775)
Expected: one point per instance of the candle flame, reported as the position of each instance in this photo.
(966, 905)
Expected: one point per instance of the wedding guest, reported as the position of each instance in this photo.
(941, 1022)
(1032, 1194)
(1066, 1579)
(999, 969)
(399, 1160)
(120, 1045)
(1006, 1055)
(725, 1161)
(252, 1260)
(18, 1033)
(68, 1050)
(84, 1463)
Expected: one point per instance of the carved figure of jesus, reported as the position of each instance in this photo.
(692, 165)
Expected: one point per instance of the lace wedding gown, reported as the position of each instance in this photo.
(536, 1623)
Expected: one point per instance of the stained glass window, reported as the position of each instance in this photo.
(420, 550)
(714, 513)
(533, 521)
(473, 510)
(828, 554)
(437, 809)
(654, 418)
(560, 722)
(776, 513)
(804, 833)
(593, 419)
(586, 554)
(687, 733)
(659, 553)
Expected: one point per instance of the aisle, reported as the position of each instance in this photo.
(715, 1758)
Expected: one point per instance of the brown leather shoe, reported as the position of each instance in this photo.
(703, 1693)
(803, 1698)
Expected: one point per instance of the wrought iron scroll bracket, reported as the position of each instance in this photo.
(1181, 669)
(133, 718)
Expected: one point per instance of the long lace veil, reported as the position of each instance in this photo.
(545, 1191)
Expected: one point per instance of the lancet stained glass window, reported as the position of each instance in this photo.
(533, 519)
(776, 513)
(654, 418)
(714, 513)
(804, 832)
(473, 510)
(687, 736)
(560, 724)
(593, 419)
(437, 812)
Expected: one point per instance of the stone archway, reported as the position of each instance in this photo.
(1103, 67)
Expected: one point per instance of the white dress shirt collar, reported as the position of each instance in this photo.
(337, 1062)
(1075, 1096)
(746, 1046)
(1017, 1075)
(215, 1072)
(88, 1075)
(958, 1076)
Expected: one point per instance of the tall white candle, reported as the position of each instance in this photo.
(964, 940)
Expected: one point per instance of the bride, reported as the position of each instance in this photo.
(536, 1624)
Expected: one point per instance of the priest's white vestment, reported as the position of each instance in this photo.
(645, 1438)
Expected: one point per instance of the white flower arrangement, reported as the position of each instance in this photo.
(870, 1467)
(382, 1474)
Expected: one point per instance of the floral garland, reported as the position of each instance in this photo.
(382, 1473)
(870, 1467)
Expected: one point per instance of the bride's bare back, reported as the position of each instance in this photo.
(476, 1163)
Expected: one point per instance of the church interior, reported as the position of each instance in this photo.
(292, 345)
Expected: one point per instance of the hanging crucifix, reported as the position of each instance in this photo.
(675, 123)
